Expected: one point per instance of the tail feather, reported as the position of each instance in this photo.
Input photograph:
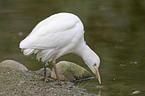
(45, 55)
(28, 51)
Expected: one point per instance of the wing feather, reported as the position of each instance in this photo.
(52, 33)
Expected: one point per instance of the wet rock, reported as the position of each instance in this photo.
(41, 72)
(13, 65)
(69, 71)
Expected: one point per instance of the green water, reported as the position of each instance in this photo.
(114, 30)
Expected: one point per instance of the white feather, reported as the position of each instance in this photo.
(58, 35)
(53, 33)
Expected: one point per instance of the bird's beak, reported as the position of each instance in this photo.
(97, 74)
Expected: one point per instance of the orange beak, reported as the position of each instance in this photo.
(98, 75)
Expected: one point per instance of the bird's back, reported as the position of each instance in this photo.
(57, 34)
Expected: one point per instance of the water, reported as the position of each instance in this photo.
(114, 30)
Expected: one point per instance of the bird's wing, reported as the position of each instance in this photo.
(52, 33)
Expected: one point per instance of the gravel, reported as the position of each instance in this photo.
(18, 83)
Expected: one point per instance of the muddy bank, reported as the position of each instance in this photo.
(18, 83)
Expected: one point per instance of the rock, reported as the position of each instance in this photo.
(135, 92)
(41, 72)
(69, 71)
(13, 65)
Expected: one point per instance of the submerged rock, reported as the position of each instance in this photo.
(69, 71)
(13, 65)
(41, 72)
(136, 92)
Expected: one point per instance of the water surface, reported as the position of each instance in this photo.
(113, 29)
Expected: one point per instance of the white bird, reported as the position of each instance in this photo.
(57, 35)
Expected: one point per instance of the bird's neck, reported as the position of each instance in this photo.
(87, 54)
(83, 50)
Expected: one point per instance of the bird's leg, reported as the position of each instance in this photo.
(56, 72)
(45, 77)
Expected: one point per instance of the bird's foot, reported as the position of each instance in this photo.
(48, 80)
(59, 83)
(45, 80)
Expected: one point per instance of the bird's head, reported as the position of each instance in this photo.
(93, 62)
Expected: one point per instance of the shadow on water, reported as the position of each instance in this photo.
(114, 30)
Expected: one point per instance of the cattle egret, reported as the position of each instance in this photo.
(57, 35)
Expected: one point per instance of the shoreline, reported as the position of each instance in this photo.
(18, 83)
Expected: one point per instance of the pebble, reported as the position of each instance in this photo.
(136, 92)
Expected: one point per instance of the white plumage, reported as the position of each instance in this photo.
(58, 35)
